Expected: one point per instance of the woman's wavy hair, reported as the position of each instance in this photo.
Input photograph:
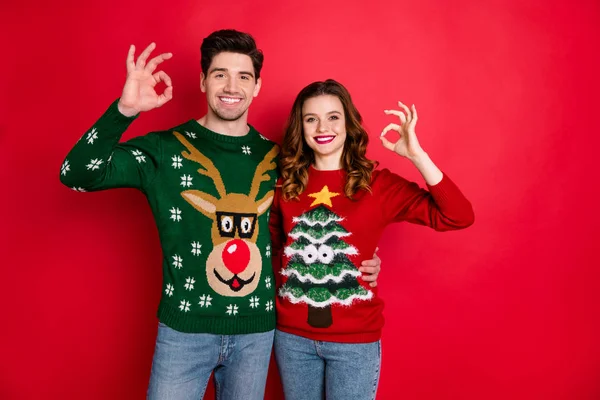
(296, 156)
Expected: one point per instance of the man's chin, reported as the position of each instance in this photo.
(229, 116)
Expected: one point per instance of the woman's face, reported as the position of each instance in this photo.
(324, 125)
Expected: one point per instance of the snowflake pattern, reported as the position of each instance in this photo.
(268, 282)
(205, 300)
(65, 168)
(175, 214)
(269, 305)
(78, 189)
(169, 290)
(196, 248)
(184, 305)
(177, 162)
(139, 156)
(191, 135)
(262, 137)
(109, 158)
(246, 150)
(91, 136)
(189, 283)
(177, 261)
(268, 251)
(186, 180)
(232, 309)
(94, 164)
(254, 302)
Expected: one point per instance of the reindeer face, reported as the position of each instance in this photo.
(234, 266)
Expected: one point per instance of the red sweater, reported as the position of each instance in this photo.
(321, 240)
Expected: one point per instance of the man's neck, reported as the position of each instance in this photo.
(238, 127)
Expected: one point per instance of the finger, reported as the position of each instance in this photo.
(373, 284)
(409, 115)
(397, 113)
(130, 63)
(141, 62)
(161, 76)
(415, 116)
(371, 269)
(157, 60)
(388, 128)
(387, 144)
(166, 96)
(369, 263)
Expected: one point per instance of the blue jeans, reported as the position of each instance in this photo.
(183, 362)
(313, 369)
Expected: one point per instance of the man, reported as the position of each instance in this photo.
(209, 183)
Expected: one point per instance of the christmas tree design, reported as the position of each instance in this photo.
(319, 272)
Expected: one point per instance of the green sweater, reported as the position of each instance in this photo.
(210, 195)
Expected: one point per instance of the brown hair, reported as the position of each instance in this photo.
(229, 40)
(296, 156)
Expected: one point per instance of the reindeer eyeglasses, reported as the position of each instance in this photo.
(229, 223)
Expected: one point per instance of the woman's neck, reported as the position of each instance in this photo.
(330, 162)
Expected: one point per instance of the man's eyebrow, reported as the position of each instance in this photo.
(221, 69)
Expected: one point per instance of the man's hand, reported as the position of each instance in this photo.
(370, 269)
(139, 93)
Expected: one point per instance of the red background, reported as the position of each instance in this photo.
(507, 99)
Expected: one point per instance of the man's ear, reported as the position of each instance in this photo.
(257, 87)
(202, 82)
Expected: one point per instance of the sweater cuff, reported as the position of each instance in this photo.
(115, 115)
(445, 192)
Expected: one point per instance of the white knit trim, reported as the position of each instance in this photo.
(330, 301)
(327, 278)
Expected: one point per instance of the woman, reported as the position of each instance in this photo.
(331, 205)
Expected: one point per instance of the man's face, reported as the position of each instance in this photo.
(230, 85)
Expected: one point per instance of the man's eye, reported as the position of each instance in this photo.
(245, 77)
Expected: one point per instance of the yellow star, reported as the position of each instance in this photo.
(323, 197)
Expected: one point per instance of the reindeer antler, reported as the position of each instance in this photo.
(260, 175)
(209, 168)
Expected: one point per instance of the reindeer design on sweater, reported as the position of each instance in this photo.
(234, 265)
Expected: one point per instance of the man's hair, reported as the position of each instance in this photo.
(232, 41)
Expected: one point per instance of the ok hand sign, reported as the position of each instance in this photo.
(139, 93)
(407, 145)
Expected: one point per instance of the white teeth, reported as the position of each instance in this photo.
(323, 139)
(229, 100)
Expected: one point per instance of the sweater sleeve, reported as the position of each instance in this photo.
(442, 208)
(98, 161)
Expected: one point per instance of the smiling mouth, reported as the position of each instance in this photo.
(235, 283)
(229, 100)
(324, 139)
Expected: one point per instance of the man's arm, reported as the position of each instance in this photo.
(98, 161)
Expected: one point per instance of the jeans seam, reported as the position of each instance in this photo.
(377, 370)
